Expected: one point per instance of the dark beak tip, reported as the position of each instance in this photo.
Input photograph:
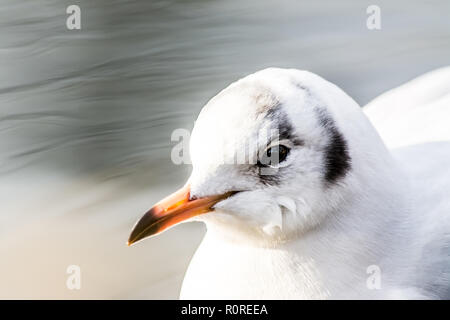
(133, 239)
(132, 242)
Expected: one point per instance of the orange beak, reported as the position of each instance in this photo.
(172, 210)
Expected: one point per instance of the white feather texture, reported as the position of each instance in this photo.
(302, 238)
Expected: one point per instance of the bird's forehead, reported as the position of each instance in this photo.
(242, 100)
(238, 111)
(233, 120)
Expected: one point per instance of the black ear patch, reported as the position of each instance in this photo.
(337, 158)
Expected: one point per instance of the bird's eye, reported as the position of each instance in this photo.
(273, 156)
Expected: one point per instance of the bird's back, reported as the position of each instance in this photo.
(413, 121)
(416, 112)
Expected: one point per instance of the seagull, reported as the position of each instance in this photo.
(306, 195)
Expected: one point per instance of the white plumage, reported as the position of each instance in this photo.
(391, 210)
(340, 205)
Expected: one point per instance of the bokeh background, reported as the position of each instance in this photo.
(86, 117)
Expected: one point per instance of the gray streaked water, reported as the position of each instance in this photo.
(94, 109)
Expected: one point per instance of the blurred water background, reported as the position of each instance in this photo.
(86, 117)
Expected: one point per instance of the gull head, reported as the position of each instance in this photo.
(274, 155)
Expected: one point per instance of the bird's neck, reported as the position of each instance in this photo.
(369, 232)
(333, 259)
